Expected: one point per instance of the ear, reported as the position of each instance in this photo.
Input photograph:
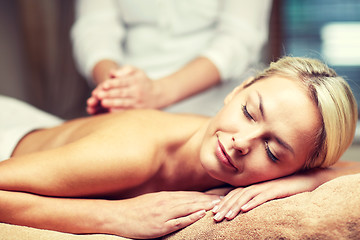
(236, 90)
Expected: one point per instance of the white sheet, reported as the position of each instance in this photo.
(18, 118)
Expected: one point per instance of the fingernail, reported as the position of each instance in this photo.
(202, 213)
(245, 207)
(229, 214)
(215, 209)
(215, 201)
(217, 217)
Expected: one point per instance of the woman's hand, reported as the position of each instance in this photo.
(244, 199)
(157, 214)
(127, 88)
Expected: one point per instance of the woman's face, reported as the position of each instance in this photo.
(264, 131)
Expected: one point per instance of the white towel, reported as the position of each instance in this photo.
(18, 118)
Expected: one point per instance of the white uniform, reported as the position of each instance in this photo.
(161, 36)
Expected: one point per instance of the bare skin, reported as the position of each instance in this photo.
(120, 130)
(127, 87)
(96, 174)
(132, 157)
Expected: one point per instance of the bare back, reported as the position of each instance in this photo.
(123, 154)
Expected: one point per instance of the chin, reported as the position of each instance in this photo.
(211, 166)
(216, 173)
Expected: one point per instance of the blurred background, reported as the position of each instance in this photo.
(325, 29)
(36, 63)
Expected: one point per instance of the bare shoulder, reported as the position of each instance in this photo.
(146, 121)
(130, 147)
(143, 137)
(145, 128)
(131, 128)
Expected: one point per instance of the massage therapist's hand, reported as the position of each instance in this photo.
(244, 199)
(157, 214)
(127, 88)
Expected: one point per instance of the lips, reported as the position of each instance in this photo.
(223, 156)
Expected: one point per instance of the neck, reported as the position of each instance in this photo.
(181, 169)
(189, 157)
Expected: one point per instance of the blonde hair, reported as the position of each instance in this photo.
(335, 101)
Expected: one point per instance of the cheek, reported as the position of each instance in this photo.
(267, 172)
(260, 173)
(260, 169)
(228, 119)
(207, 150)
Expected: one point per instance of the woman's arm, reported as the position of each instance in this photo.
(147, 216)
(245, 199)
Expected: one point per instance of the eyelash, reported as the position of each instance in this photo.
(246, 113)
(269, 153)
(267, 149)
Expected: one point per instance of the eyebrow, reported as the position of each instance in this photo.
(284, 144)
(279, 140)
(261, 108)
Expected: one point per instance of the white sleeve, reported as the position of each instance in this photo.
(242, 30)
(97, 34)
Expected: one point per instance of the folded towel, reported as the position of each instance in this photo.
(332, 211)
(13, 232)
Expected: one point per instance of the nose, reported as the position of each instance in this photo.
(241, 145)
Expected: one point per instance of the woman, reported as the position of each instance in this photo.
(296, 115)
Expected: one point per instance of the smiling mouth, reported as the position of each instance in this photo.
(222, 155)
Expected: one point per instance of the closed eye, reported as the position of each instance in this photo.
(246, 113)
(271, 156)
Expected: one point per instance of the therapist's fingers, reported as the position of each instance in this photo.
(117, 83)
(118, 103)
(94, 106)
(96, 109)
(122, 71)
(92, 101)
(117, 93)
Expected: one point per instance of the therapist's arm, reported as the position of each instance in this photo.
(130, 87)
(95, 35)
(102, 70)
(195, 77)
